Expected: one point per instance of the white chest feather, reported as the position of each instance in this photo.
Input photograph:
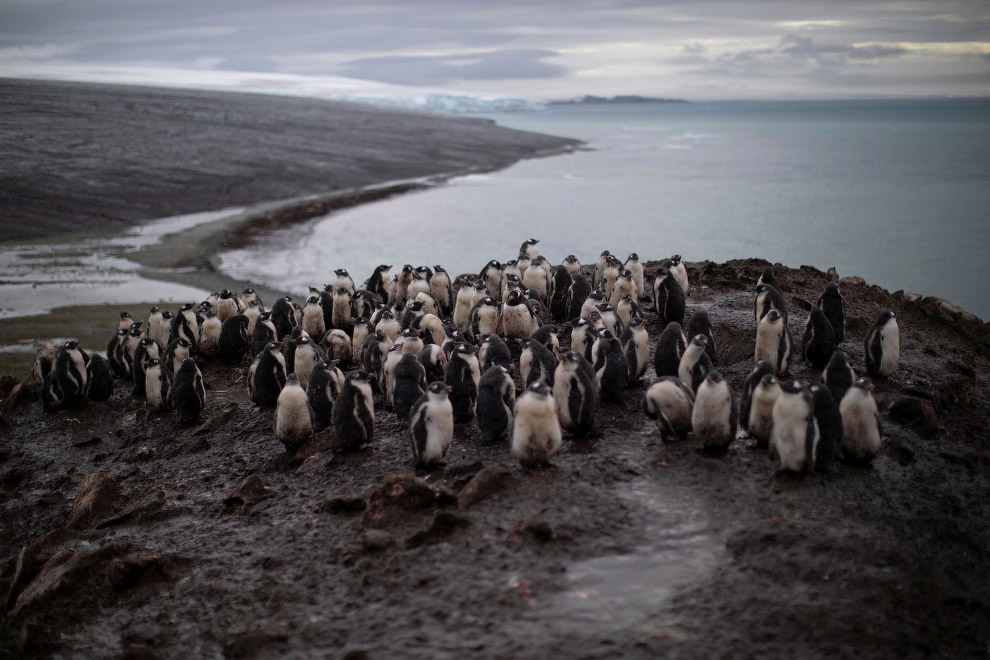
(292, 418)
(439, 429)
(890, 340)
(517, 322)
(761, 411)
(860, 432)
(789, 433)
(536, 434)
(711, 417)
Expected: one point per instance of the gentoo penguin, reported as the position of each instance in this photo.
(293, 416)
(158, 385)
(829, 422)
(794, 435)
(767, 277)
(114, 353)
(536, 362)
(679, 271)
(834, 307)
(600, 266)
(627, 310)
(575, 393)
(340, 314)
(491, 275)
(408, 384)
(529, 248)
(763, 368)
(773, 342)
(154, 325)
(362, 328)
(147, 349)
(547, 335)
(611, 319)
(249, 296)
(363, 303)
(176, 351)
(402, 281)
(715, 415)
(267, 376)
(592, 302)
(326, 306)
(701, 324)
(188, 392)
(759, 423)
(411, 341)
(609, 363)
(227, 305)
(494, 351)
(339, 346)
(583, 335)
(325, 382)
(125, 321)
(463, 374)
(572, 265)
(883, 346)
(695, 366)
(668, 297)
(818, 340)
(536, 435)
(164, 330)
(130, 346)
(264, 332)
(354, 413)
(484, 317)
(307, 355)
(44, 362)
(624, 285)
(296, 313)
(495, 403)
(463, 304)
(635, 267)
(283, 317)
(669, 401)
(70, 371)
(577, 293)
(862, 430)
(99, 381)
(431, 425)
(559, 286)
(51, 393)
(441, 290)
(411, 313)
(420, 284)
(541, 316)
(522, 263)
(343, 280)
(312, 317)
(388, 324)
(537, 278)
(289, 349)
(511, 277)
(234, 339)
(610, 275)
(185, 325)
(670, 347)
(768, 298)
(377, 282)
(838, 376)
(516, 320)
(374, 351)
(434, 361)
(636, 346)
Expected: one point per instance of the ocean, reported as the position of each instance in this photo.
(894, 191)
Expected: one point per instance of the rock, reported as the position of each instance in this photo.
(7, 383)
(136, 652)
(915, 411)
(98, 497)
(444, 524)
(254, 643)
(142, 510)
(32, 558)
(343, 504)
(832, 274)
(376, 540)
(75, 571)
(484, 483)
(852, 280)
(250, 491)
(126, 572)
(540, 530)
(18, 395)
(398, 494)
(217, 421)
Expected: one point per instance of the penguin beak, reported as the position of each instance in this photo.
(872, 386)
(448, 389)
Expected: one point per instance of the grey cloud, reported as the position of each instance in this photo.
(493, 65)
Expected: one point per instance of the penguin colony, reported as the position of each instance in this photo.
(436, 353)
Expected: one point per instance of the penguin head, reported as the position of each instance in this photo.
(605, 333)
(527, 343)
(791, 387)
(70, 345)
(597, 294)
(186, 307)
(539, 389)
(292, 380)
(155, 310)
(464, 349)
(768, 381)
(570, 259)
(287, 299)
(380, 336)
(328, 288)
(662, 273)
(136, 329)
(699, 340)
(438, 390)
(514, 297)
(633, 257)
(480, 285)
(838, 361)
(151, 363)
(361, 321)
(273, 347)
(410, 333)
(532, 294)
(343, 292)
(570, 357)
(424, 272)
(341, 272)
(383, 268)
(297, 332)
(398, 307)
(493, 264)
(511, 263)
(626, 299)
(886, 316)
(865, 384)
(387, 315)
(147, 341)
(676, 259)
(415, 306)
(248, 291)
(636, 321)
(313, 300)
(183, 342)
(407, 269)
(166, 315)
(303, 340)
(606, 254)
(605, 308)
(595, 318)
(626, 275)
(773, 316)
(613, 262)
(357, 375)
(438, 269)
(531, 241)
(225, 294)
(832, 289)
(125, 315)
(713, 378)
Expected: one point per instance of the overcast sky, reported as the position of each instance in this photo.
(539, 49)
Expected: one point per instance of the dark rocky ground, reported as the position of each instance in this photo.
(83, 157)
(625, 546)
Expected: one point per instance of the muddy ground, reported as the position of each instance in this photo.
(625, 546)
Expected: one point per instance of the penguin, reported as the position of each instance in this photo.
(541, 316)
(158, 384)
(511, 278)
(264, 333)
(592, 302)
(624, 286)
(679, 271)
(491, 275)
(343, 280)
(209, 333)
(838, 376)
(484, 317)
(339, 346)
(883, 346)
(267, 376)
(114, 354)
(701, 324)
(227, 305)
(818, 341)
(463, 374)
(577, 293)
(575, 393)
(125, 321)
(636, 346)
(388, 324)
(434, 361)
(547, 335)
(538, 280)
(627, 310)
(495, 403)
(325, 382)
(340, 313)
(164, 330)
(185, 325)
(296, 314)
(516, 320)
(177, 350)
(494, 351)
(536, 362)
(129, 347)
(572, 265)
(862, 428)
(375, 348)
(419, 285)
(99, 379)
(583, 335)
(70, 371)
(441, 290)
(834, 307)
(306, 356)
(44, 362)
(759, 423)
(293, 416)
(363, 304)
(559, 287)
(188, 392)
(829, 421)
(768, 298)
(529, 248)
(412, 312)
(51, 394)
(354, 413)
(668, 297)
(671, 345)
(715, 415)
(610, 275)
(670, 402)
(431, 329)
(154, 324)
(609, 362)
(408, 384)
(635, 266)
(377, 282)
(250, 298)
(403, 279)
(695, 366)
(431, 425)
(283, 317)
(147, 349)
(362, 328)
(536, 434)
(463, 304)
(411, 342)
(763, 367)
(611, 319)
(794, 436)
(522, 264)
(312, 317)
(767, 277)
(234, 339)
(773, 342)
(600, 266)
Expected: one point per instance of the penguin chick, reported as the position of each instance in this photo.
(354, 413)
(494, 351)
(536, 434)
(234, 339)
(625, 285)
(125, 321)
(701, 324)
(387, 324)
(760, 414)
(834, 308)
(611, 320)
(773, 342)
(609, 362)
(293, 416)
(283, 317)
(591, 303)
(343, 280)
(312, 317)
(267, 376)
(517, 320)
(70, 371)
(306, 356)
(441, 290)
(818, 341)
(575, 392)
(340, 314)
(577, 294)
(794, 435)
(362, 328)
(862, 429)
(129, 348)
(883, 346)
(114, 357)
(838, 375)
(227, 305)
(547, 335)
(188, 392)
(158, 385)
(679, 271)
(767, 277)
(431, 425)
(147, 349)
(627, 310)
(635, 267)
(668, 297)
(529, 248)
(339, 347)
(695, 365)
(636, 346)
(99, 381)
(185, 325)
(431, 329)
(536, 362)
(752, 382)
(671, 346)
(560, 283)
(610, 275)
(768, 298)
(829, 421)
(408, 384)
(463, 374)
(600, 265)
(411, 342)
(583, 335)
(484, 318)
(670, 402)
(264, 332)
(325, 382)
(495, 403)
(377, 283)
(715, 415)
(463, 304)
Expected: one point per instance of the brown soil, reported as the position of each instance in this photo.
(625, 546)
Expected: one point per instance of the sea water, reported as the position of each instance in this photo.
(894, 191)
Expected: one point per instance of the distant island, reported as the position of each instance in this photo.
(624, 98)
